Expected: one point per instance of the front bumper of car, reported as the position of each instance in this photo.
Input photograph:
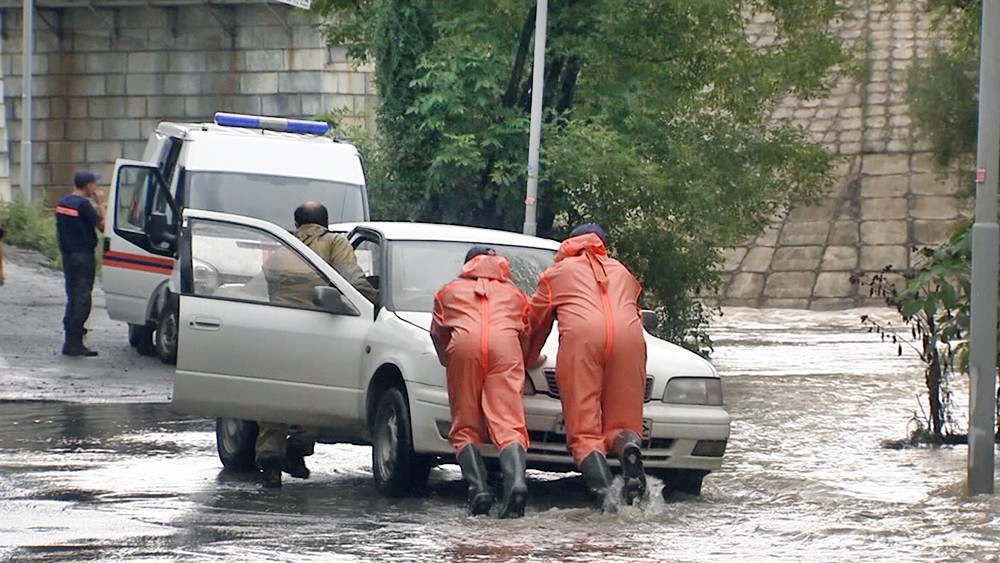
(677, 436)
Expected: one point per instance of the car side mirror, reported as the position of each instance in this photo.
(331, 300)
(650, 321)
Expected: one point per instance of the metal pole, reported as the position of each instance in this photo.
(983, 329)
(535, 132)
(27, 52)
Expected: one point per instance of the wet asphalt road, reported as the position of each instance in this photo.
(31, 367)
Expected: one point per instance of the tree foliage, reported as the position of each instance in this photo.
(657, 121)
(943, 111)
(936, 298)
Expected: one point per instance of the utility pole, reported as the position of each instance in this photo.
(535, 132)
(983, 329)
(27, 54)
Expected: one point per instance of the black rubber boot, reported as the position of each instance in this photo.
(73, 345)
(513, 461)
(597, 476)
(626, 447)
(480, 498)
(295, 465)
(297, 447)
(270, 470)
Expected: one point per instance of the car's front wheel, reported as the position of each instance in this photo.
(140, 337)
(236, 441)
(398, 470)
(166, 332)
(679, 481)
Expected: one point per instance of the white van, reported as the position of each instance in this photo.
(261, 167)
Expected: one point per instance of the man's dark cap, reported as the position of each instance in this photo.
(589, 228)
(478, 251)
(84, 177)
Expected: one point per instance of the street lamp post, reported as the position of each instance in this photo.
(983, 322)
(535, 131)
(27, 52)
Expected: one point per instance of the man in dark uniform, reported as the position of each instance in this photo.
(77, 220)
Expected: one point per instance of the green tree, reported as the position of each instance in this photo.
(657, 121)
(935, 299)
(943, 112)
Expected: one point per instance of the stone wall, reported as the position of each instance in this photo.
(888, 199)
(104, 77)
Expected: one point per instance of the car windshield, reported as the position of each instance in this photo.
(271, 198)
(420, 268)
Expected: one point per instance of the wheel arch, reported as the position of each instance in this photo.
(385, 377)
(160, 296)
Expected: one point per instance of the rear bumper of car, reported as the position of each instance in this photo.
(679, 436)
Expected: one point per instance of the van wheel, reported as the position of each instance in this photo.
(236, 441)
(398, 470)
(140, 337)
(166, 332)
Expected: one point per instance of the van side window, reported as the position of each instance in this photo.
(131, 206)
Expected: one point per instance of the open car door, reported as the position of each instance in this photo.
(268, 330)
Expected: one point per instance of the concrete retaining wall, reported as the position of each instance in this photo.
(888, 199)
(105, 77)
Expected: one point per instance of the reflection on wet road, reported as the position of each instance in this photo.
(804, 478)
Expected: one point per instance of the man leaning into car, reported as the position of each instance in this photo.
(281, 447)
(601, 363)
(479, 326)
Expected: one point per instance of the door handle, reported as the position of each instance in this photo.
(205, 323)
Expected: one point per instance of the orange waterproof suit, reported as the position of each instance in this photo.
(479, 329)
(601, 364)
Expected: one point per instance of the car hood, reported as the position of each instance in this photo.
(660, 354)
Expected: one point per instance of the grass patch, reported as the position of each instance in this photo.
(31, 226)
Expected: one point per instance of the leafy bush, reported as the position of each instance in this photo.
(31, 226)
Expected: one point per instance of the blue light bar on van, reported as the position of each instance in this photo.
(272, 123)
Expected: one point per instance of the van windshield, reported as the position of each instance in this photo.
(271, 198)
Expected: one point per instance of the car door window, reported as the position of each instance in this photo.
(241, 262)
(369, 254)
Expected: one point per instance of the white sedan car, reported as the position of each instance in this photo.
(367, 373)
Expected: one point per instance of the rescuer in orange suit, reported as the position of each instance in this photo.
(479, 329)
(601, 364)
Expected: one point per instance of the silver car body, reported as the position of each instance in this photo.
(249, 359)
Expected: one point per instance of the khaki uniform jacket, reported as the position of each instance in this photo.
(288, 279)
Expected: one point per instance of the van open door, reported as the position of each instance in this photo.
(140, 246)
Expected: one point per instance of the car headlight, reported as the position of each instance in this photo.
(206, 277)
(694, 391)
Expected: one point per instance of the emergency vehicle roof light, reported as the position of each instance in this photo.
(272, 123)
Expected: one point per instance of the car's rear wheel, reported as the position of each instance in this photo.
(679, 481)
(236, 441)
(398, 470)
(140, 337)
(166, 332)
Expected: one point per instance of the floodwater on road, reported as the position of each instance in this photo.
(805, 478)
